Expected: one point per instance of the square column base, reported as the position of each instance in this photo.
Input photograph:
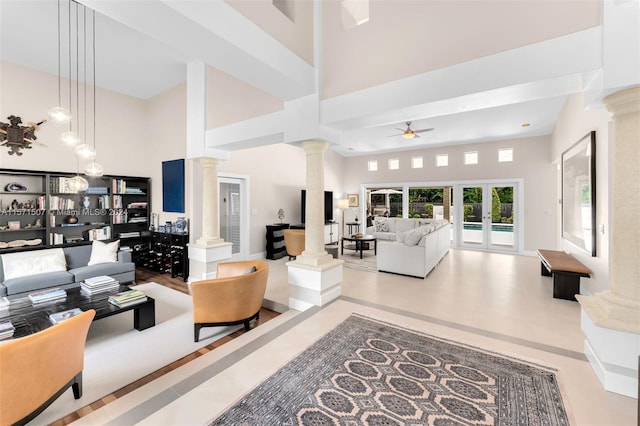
(314, 286)
(613, 355)
(203, 260)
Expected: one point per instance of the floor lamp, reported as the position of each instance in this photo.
(343, 204)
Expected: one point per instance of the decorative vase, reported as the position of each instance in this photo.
(181, 225)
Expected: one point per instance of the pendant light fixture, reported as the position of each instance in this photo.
(59, 114)
(69, 138)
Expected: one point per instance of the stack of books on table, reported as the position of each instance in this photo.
(6, 330)
(127, 298)
(47, 295)
(99, 284)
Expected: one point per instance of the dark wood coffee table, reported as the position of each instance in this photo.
(28, 318)
(359, 244)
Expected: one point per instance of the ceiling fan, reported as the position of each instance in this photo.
(409, 133)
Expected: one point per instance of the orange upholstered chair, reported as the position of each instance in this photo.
(294, 242)
(36, 369)
(234, 297)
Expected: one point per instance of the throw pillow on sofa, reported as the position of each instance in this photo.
(16, 265)
(381, 225)
(413, 237)
(104, 252)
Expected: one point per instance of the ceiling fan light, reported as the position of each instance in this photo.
(409, 135)
(94, 169)
(69, 139)
(85, 151)
(59, 114)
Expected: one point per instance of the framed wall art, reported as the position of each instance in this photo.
(579, 194)
(353, 200)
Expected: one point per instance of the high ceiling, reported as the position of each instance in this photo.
(482, 99)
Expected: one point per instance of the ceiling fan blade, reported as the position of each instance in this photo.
(422, 130)
(392, 136)
(400, 130)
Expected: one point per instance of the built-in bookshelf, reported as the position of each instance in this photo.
(43, 209)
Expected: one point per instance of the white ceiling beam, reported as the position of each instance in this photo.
(551, 68)
(214, 32)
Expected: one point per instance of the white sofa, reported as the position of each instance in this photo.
(386, 228)
(415, 252)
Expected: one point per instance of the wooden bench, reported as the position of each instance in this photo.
(566, 272)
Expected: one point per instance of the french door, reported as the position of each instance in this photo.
(233, 215)
(487, 216)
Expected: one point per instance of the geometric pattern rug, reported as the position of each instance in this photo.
(368, 372)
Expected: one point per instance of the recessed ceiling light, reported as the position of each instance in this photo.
(526, 124)
(350, 149)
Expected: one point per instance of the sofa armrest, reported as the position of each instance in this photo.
(371, 230)
(124, 256)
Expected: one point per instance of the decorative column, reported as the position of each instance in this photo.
(210, 219)
(314, 276)
(611, 319)
(209, 249)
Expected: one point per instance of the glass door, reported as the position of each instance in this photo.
(487, 213)
(232, 209)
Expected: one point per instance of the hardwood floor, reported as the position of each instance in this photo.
(145, 276)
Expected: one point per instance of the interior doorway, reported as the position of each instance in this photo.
(233, 215)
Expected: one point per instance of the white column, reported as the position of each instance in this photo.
(314, 252)
(210, 219)
(209, 249)
(611, 319)
(315, 276)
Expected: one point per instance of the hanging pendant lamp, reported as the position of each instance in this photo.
(59, 114)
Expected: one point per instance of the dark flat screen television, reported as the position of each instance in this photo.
(328, 206)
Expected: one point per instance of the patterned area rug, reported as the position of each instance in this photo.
(365, 372)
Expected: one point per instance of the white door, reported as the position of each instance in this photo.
(488, 216)
(234, 215)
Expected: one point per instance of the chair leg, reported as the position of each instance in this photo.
(196, 332)
(77, 386)
(247, 325)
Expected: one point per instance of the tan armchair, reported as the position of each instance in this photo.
(36, 369)
(294, 242)
(234, 297)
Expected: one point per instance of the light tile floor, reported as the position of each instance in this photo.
(495, 301)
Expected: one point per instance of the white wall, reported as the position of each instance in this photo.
(277, 174)
(573, 123)
(121, 127)
(532, 163)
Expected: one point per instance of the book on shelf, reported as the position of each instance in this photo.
(100, 233)
(137, 220)
(58, 317)
(47, 295)
(55, 238)
(97, 190)
(6, 330)
(73, 224)
(132, 234)
(138, 205)
(127, 298)
(133, 191)
(73, 239)
(4, 303)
